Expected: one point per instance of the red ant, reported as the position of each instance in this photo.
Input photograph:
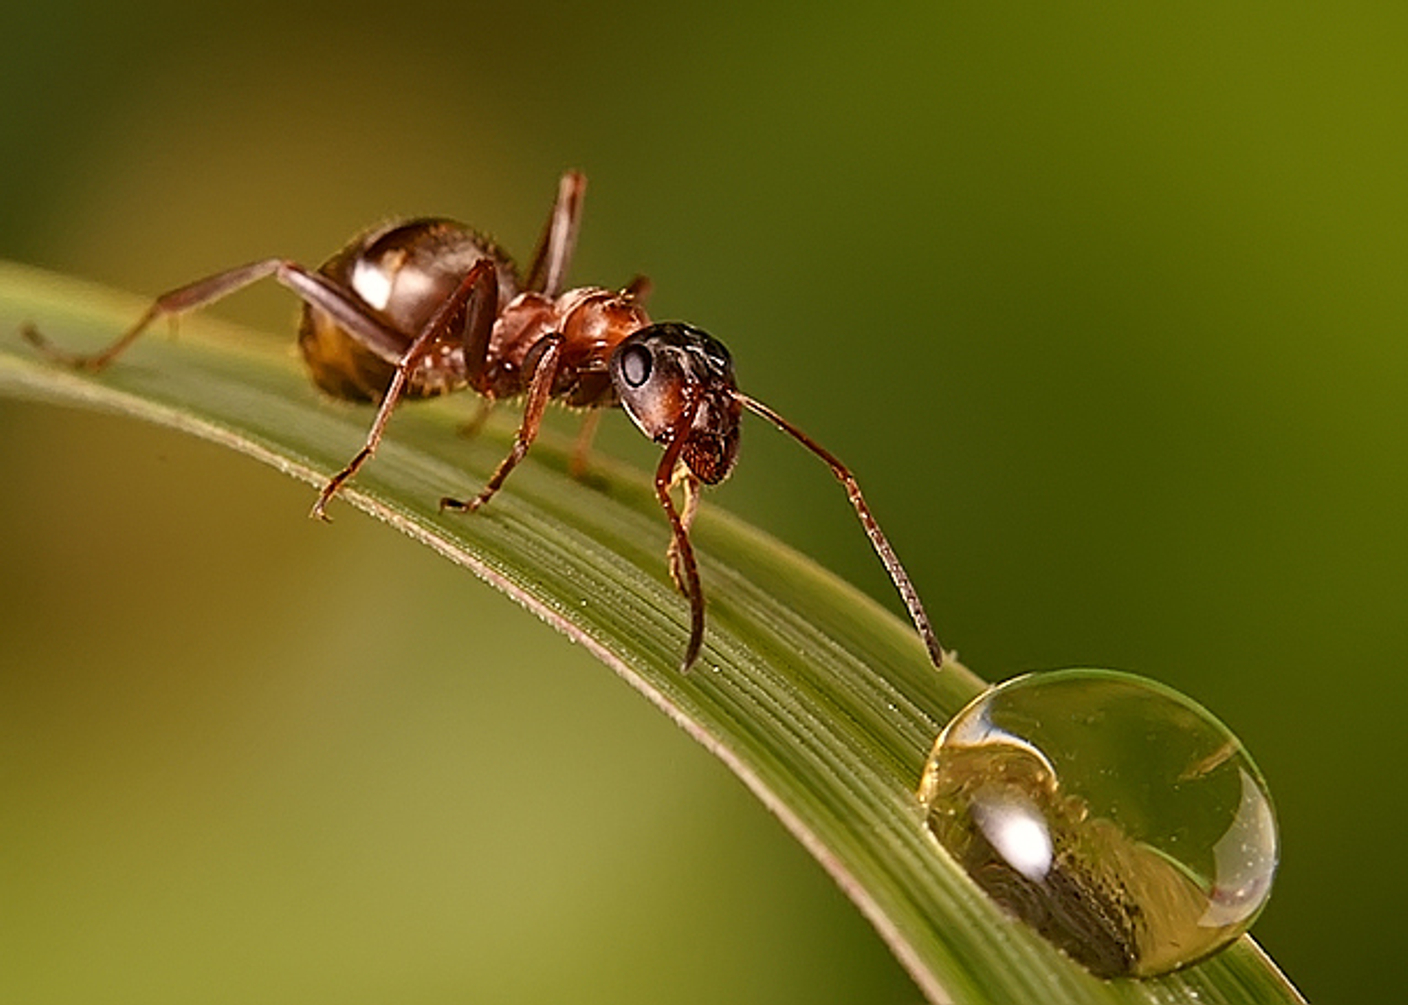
(426, 307)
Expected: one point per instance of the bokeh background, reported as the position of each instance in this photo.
(1107, 307)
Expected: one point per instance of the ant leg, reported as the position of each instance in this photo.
(549, 351)
(878, 541)
(313, 288)
(691, 506)
(172, 304)
(559, 239)
(470, 427)
(477, 289)
(582, 448)
(683, 568)
(638, 289)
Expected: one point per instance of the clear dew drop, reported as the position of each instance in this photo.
(1117, 817)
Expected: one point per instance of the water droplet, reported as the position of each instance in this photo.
(1114, 815)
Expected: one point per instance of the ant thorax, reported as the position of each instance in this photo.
(591, 320)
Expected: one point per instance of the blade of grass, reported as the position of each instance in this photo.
(819, 699)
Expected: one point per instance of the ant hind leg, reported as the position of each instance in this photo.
(549, 269)
(171, 305)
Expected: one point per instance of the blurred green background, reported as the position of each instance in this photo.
(1106, 306)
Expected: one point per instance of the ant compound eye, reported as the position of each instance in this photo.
(636, 365)
(648, 380)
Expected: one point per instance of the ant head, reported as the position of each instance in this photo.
(666, 373)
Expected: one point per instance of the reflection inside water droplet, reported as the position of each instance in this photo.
(1114, 815)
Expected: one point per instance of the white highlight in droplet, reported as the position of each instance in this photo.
(1017, 831)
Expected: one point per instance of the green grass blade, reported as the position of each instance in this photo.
(819, 699)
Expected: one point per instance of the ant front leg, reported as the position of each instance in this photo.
(475, 299)
(691, 506)
(684, 571)
(548, 351)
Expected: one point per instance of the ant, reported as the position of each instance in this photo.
(425, 307)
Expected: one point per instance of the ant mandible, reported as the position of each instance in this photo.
(425, 307)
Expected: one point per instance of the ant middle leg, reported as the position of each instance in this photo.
(582, 446)
(638, 289)
(548, 351)
(471, 427)
(474, 301)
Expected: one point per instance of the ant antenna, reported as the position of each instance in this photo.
(878, 541)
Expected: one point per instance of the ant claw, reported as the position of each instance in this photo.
(31, 334)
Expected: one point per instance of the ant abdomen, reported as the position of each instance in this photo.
(402, 272)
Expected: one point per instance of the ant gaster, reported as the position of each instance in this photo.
(426, 307)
